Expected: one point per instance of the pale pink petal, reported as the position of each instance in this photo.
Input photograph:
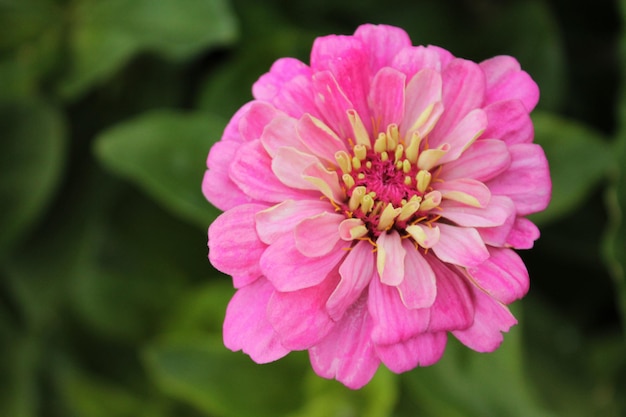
(412, 59)
(253, 121)
(509, 121)
(282, 71)
(289, 165)
(246, 326)
(464, 190)
(497, 236)
(325, 180)
(231, 132)
(506, 81)
(319, 234)
(332, 103)
(527, 181)
(523, 234)
(289, 270)
(463, 90)
(282, 218)
(460, 246)
(390, 258)
(495, 213)
(503, 276)
(299, 317)
(279, 133)
(346, 58)
(382, 43)
(422, 92)
(318, 138)
(418, 289)
(386, 98)
(234, 247)
(422, 350)
(482, 161)
(217, 186)
(453, 307)
(393, 322)
(462, 135)
(347, 352)
(490, 319)
(356, 272)
(251, 171)
(297, 97)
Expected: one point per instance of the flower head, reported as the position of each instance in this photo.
(372, 204)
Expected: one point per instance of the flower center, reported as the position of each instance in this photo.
(389, 184)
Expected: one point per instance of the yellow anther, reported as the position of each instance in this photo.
(367, 202)
(343, 159)
(392, 136)
(360, 132)
(412, 150)
(388, 217)
(368, 164)
(361, 176)
(408, 180)
(381, 143)
(356, 197)
(398, 165)
(408, 210)
(348, 180)
(360, 151)
(356, 162)
(423, 180)
(384, 156)
(406, 166)
(399, 152)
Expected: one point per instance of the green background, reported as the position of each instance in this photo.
(108, 305)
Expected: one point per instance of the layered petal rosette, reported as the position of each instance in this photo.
(372, 201)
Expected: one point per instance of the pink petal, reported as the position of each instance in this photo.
(251, 171)
(423, 91)
(217, 186)
(460, 246)
(253, 121)
(464, 190)
(231, 132)
(279, 133)
(503, 276)
(523, 234)
(289, 270)
(418, 289)
(386, 98)
(289, 165)
(299, 317)
(347, 352)
(282, 218)
(422, 350)
(463, 90)
(332, 103)
(497, 236)
(390, 258)
(393, 322)
(527, 181)
(382, 43)
(246, 326)
(326, 181)
(412, 59)
(319, 234)
(318, 138)
(505, 81)
(356, 272)
(234, 247)
(453, 307)
(297, 97)
(282, 71)
(509, 121)
(490, 319)
(496, 213)
(482, 161)
(462, 135)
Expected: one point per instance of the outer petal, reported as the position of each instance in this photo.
(279, 133)
(234, 246)
(412, 59)
(418, 289)
(422, 92)
(462, 135)
(246, 326)
(282, 71)
(490, 319)
(217, 186)
(527, 181)
(347, 352)
(393, 322)
(282, 218)
(495, 213)
(453, 307)
(509, 121)
(254, 120)
(505, 81)
(289, 270)
(464, 190)
(390, 258)
(503, 276)
(332, 103)
(382, 43)
(356, 272)
(386, 98)
(523, 234)
(482, 161)
(318, 235)
(318, 138)
(460, 246)
(289, 164)
(422, 350)
(299, 317)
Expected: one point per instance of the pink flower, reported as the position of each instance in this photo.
(372, 204)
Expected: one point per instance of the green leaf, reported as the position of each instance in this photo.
(579, 159)
(201, 372)
(108, 33)
(32, 155)
(164, 153)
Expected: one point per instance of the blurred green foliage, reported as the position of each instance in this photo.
(108, 306)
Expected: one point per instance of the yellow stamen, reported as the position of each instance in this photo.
(381, 143)
(360, 152)
(360, 132)
(392, 137)
(406, 166)
(431, 200)
(413, 149)
(356, 197)
(356, 162)
(348, 180)
(408, 210)
(343, 159)
(388, 216)
(399, 152)
(384, 156)
(367, 203)
(423, 180)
